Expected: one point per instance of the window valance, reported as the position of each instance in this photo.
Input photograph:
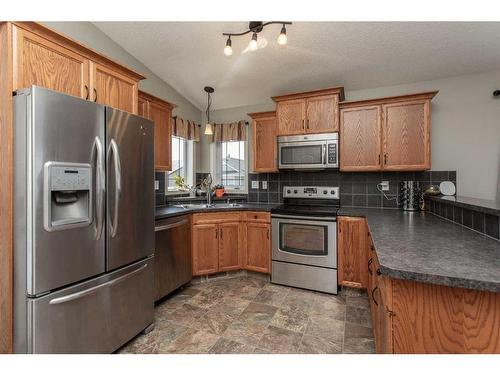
(235, 131)
(186, 129)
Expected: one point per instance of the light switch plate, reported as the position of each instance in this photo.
(157, 184)
(264, 185)
(384, 185)
(255, 184)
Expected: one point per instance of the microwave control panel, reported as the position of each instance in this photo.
(332, 153)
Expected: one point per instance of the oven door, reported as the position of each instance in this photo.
(304, 240)
(305, 155)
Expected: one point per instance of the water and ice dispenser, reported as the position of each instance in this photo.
(67, 195)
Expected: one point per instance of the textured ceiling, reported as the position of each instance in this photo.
(189, 55)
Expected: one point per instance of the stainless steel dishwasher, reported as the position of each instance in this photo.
(172, 254)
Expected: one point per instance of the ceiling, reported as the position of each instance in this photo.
(356, 55)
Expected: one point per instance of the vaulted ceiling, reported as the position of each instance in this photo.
(356, 55)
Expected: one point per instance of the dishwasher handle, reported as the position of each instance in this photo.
(170, 226)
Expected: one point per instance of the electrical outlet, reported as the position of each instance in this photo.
(157, 184)
(384, 185)
(264, 185)
(255, 184)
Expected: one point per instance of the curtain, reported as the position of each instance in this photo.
(186, 129)
(235, 131)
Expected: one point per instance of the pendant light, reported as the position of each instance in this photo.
(253, 43)
(228, 50)
(282, 37)
(208, 127)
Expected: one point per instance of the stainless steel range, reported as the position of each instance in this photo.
(304, 239)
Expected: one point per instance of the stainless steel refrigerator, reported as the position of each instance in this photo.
(84, 224)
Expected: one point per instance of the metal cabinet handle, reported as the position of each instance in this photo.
(113, 150)
(267, 233)
(216, 233)
(379, 159)
(369, 264)
(307, 123)
(221, 233)
(385, 158)
(170, 226)
(95, 95)
(373, 296)
(98, 161)
(372, 248)
(304, 124)
(86, 92)
(378, 272)
(71, 297)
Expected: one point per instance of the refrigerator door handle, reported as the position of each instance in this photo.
(113, 149)
(86, 292)
(98, 162)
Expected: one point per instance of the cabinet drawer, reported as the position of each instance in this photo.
(216, 217)
(258, 216)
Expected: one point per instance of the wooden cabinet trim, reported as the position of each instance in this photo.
(283, 123)
(265, 151)
(307, 94)
(389, 99)
(352, 252)
(76, 47)
(151, 98)
(258, 216)
(216, 217)
(326, 122)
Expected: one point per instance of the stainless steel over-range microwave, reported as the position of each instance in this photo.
(311, 151)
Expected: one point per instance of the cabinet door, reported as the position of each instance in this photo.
(258, 252)
(406, 135)
(352, 252)
(113, 88)
(360, 137)
(229, 246)
(265, 145)
(291, 116)
(205, 249)
(162, 117)
(37, 61)
(322, 114)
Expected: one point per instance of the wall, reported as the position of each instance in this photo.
(89, 35)
(465, 127)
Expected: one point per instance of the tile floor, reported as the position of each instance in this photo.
(251, 315)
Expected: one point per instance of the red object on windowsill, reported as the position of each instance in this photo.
(219, 192)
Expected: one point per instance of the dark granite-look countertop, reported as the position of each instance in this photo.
(482, 205)
(422, 247)
(165, 212)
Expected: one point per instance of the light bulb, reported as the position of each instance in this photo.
(228, 50)
(282, 37)
(208, 129)
(253, 43)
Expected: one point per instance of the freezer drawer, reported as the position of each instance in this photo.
(97, 316)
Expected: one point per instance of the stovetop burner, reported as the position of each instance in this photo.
(309, 201)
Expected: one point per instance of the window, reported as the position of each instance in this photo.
(180, 162)
(232, 165)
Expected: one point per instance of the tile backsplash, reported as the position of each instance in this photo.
(357, 189)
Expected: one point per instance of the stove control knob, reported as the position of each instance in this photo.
(295, 191)
(332, 192)
(325, 192)
(288, 191)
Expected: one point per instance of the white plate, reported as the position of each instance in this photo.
(447, 188)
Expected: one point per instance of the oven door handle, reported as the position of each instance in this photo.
(304, 218)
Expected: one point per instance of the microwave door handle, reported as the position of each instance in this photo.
(323, 154)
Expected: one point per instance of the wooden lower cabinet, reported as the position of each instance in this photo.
(258, 251)
(352, 251)
(410, 317)
(205, 249)
(229, 246)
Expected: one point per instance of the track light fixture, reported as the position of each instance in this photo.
(256, 27)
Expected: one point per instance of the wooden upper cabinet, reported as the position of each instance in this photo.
(322, 114)
(39, 61)
(396, 128)
(406, 129)
(291, 117)
(229, 246)
(360, 138)
(258, 250)
(160, 112)
(205, 249)
(113, 89)
(265, 154)
(352, 252)
(309, 112)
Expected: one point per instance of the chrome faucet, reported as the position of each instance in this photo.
(208, 187)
